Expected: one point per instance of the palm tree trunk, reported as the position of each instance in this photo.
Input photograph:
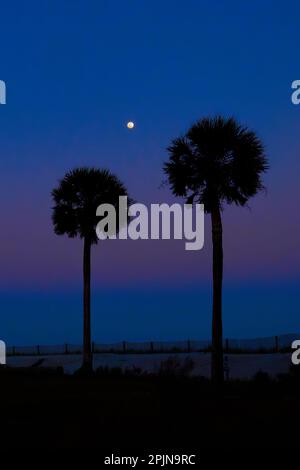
(87, 351)
(217, 367)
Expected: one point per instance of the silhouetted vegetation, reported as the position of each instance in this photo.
(216, 162)
(76, 199)
(128, 409)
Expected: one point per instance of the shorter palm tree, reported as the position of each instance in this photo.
(76, 199)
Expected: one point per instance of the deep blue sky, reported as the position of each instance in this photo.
(76, 72)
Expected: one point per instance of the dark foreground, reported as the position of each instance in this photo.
(119, 413)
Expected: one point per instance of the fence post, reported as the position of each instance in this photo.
(38, 349)
(276, 344)
(124, 347)
(13, 350)
(93, 347)
(66, 348)
(189, 345)
(151, 347)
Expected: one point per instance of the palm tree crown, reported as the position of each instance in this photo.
(77, 197)
(217, 161)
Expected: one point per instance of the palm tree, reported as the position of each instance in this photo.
(76, 199)
(218, 161)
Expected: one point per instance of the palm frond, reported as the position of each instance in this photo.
(77, 197)
(218, 161)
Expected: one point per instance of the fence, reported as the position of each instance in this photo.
(269, 344)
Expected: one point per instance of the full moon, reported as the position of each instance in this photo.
(130, 125)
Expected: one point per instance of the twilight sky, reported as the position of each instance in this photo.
(76, 72)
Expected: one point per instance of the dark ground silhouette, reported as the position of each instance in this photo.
(112, 411)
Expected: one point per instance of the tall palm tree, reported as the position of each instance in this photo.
(76, 199)
(218, 161)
